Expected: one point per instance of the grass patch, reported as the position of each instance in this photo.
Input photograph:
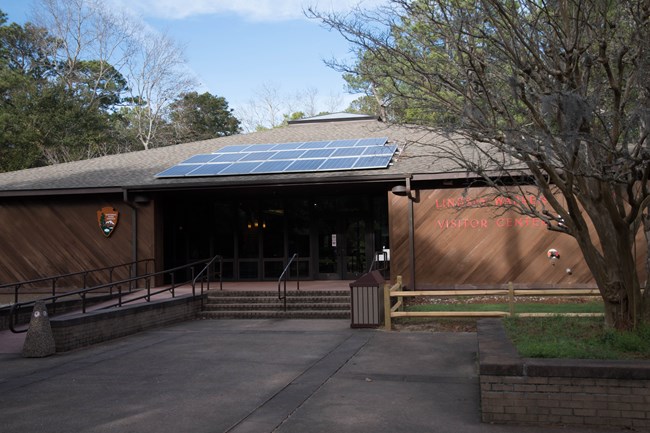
(579, 338)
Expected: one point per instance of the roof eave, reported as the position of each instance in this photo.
(59, 191)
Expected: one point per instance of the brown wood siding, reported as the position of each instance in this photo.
(457, 245)
(44, 236)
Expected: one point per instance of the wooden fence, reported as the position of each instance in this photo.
(393, 310)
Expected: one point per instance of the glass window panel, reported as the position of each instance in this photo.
(248, 233)
(248, 270)
(228, 270)
(224, 227)
(273, 269)
(271, 226)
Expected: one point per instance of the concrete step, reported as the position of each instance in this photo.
(264, 314)
(271, 293)
(266, 305)
(277, 305)
(274, 300)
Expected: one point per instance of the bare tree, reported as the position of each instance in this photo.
(270, 108)
(115, 47)
(265, 110)
(86, 30)
(553, 94)
(156, 75)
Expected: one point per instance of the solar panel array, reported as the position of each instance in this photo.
(355, 154)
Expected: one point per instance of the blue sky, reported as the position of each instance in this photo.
(236, 47)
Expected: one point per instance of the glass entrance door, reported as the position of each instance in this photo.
(342, 240)
(329, 257)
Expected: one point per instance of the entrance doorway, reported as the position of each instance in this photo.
(334, 237)
(345, 239)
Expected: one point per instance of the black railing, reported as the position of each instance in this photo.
(203, 275)
(286, 274)
(51, 281)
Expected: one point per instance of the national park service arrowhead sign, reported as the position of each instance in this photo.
(107, 219)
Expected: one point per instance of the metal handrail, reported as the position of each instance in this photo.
(206, 271)
(118, 284)
(19, 284)
(286, 273)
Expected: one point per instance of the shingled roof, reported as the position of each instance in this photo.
(136, 170)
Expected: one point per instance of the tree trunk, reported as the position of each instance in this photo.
(645, 302)
(614, 267)
(619, 313)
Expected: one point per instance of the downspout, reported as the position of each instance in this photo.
(134, 233)
(405, 191)
(411, 199)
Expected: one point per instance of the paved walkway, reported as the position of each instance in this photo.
(252, 376)
(13, 343)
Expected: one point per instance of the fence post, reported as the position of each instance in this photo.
(387, 307)
(511, 299)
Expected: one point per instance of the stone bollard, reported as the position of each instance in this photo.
(39, 341)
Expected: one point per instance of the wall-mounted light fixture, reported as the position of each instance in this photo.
(400, 190)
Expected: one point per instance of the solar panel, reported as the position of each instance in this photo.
(288, 154)
(305, 165)
(272, 167)
(177, 171)
(372, 162)
(260, 147)
(287, 146)
(372, 141)
(258, 156)
(348, 154)
(228, 157)
(240, 168)
(342, 143)
(338, 164)
(318, 153)
(315, 145)
(235, 148)
(209, 169)
(379, 150)
(200, 159)
(349, 151)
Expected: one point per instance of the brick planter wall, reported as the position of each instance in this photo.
(517, 390)
(73, 332)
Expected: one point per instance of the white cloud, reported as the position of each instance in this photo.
(255, 10)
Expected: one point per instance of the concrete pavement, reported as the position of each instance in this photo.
(252, 376)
